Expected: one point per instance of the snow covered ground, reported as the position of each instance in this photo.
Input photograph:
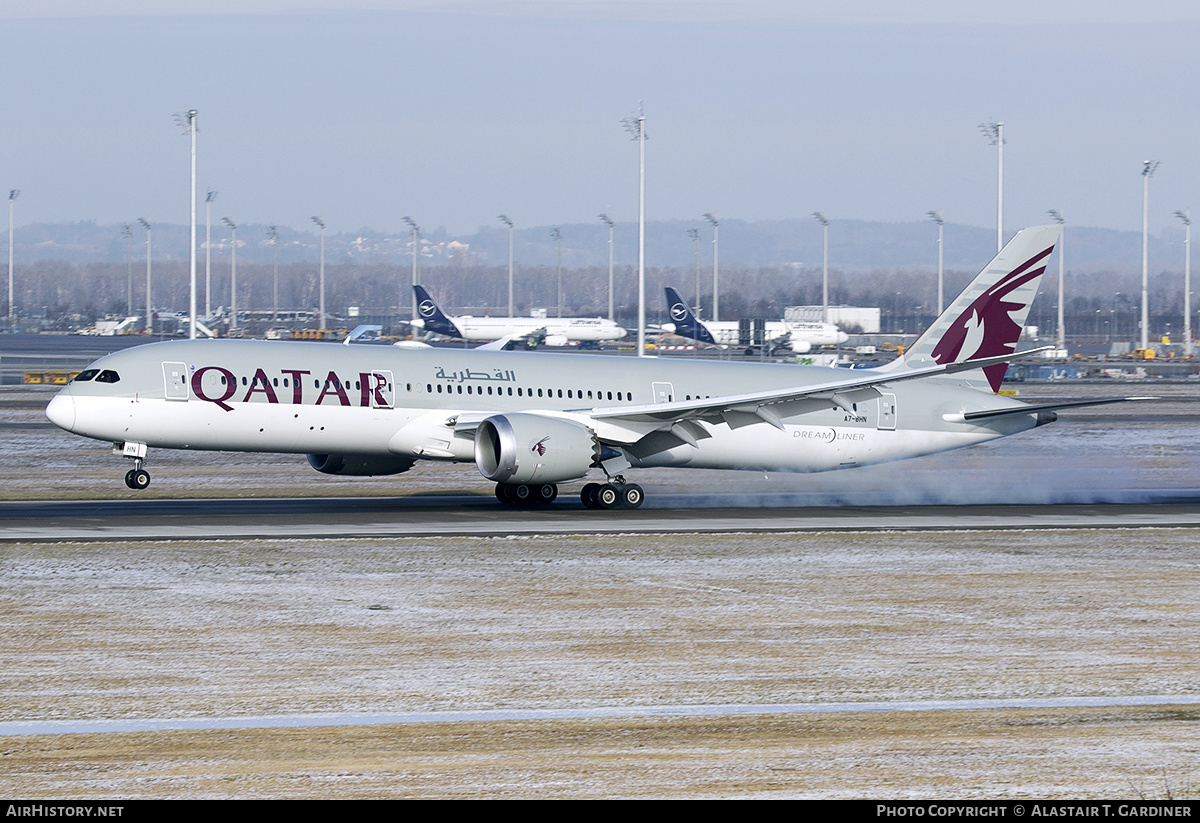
(209, 629)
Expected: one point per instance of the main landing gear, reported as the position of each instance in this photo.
(526, 494)
(612, 495)
(616, 494)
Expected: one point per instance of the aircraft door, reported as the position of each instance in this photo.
(383, 390)
(887, 412)
(663, 392)
(175, 380)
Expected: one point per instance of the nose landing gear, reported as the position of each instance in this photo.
(137, 479)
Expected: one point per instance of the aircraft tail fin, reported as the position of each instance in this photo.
(986, 320)
(432, 316)
(686, 324)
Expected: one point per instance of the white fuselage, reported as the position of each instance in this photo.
(570, 329)
(315, 398)
(801, 336)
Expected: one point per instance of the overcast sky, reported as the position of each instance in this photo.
(454, 112)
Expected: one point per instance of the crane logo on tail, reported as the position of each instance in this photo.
(987, 328)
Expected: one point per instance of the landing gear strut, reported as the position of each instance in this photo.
(136, 478)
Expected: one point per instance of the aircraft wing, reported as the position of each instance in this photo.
(628, 424)
(500, 343)
(759, 403)
(536, 335)
(784, 338)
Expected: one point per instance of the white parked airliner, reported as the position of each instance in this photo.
(530, 421)
(551, 331)
(798, 337)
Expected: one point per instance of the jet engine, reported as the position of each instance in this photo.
(533, 448)
(800, 346)
(361, 465)
(555, 340)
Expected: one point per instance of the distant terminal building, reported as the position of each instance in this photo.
(865, 320)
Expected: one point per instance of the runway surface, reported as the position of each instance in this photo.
(134, 725)
(477, 515)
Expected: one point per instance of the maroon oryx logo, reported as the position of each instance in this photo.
(986, 328)
(540, 446)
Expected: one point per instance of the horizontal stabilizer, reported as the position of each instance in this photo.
(1044, 407)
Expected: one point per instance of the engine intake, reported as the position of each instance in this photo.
(533, 448)
(361, 465)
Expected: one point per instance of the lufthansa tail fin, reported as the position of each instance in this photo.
(686, 324)
(986, 320)
(432, 316)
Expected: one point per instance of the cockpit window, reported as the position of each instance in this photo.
(108, 376)
(85, 375)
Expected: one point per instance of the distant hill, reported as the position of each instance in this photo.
(854, 245)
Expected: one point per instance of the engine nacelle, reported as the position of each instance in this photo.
(555, 340)
(801, 346)
(533, 448)
(361, 465)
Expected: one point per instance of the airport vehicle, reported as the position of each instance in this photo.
(549, 331)
(533, 421)
(794, 337)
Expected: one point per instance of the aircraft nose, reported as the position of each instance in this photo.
(61, 410)
(843, 337)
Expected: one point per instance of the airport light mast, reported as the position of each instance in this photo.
(211, 196)
(557, 235)
(1060, 342)
(13, 194)
(820, 218)
(636, 126)
(994, 132)
(1186, 217)
(188, 122)
(695, 235)
(936, 216)
(232, 272)
(273, 237)
(716, 313)
(504, 218)
(606, 220)
(416, 239)
(127, 230)
(321, 225)
(149, 324)
(1148, 168)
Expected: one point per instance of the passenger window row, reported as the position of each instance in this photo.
(568, 394)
